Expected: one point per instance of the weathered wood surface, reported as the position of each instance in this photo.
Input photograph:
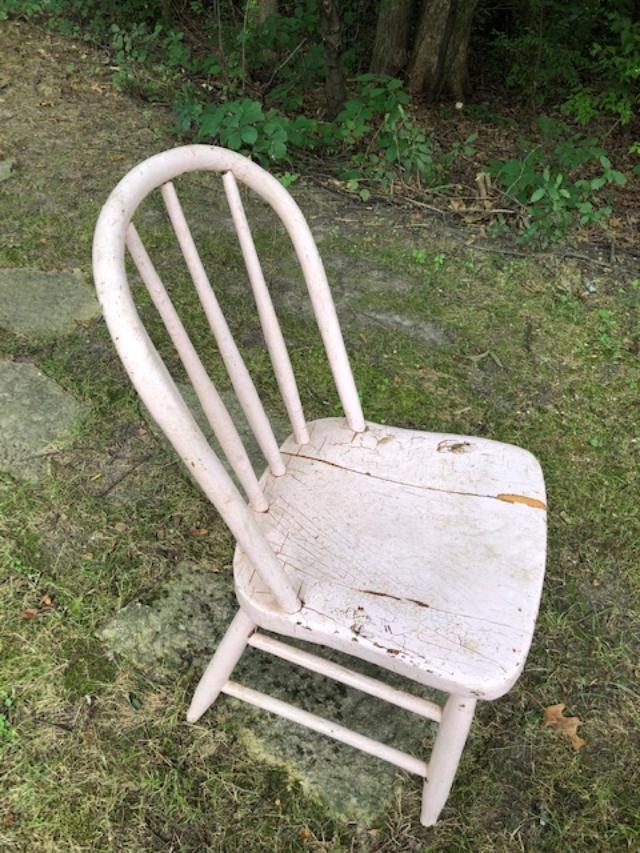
(421, 552)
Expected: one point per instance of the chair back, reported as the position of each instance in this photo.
(115, 234)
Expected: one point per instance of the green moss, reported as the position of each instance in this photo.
(89, 668)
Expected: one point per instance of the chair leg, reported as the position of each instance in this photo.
(221, 665)
(454, 727)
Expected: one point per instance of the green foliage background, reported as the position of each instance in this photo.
(256, 86)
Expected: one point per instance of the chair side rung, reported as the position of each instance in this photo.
(326, 727)
(400, 698)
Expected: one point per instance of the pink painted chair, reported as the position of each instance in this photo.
(420, 552)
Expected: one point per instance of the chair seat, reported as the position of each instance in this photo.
(421, 552)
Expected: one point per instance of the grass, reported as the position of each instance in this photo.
(95, 755)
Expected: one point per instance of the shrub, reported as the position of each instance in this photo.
(548, 185)
(385, 141)
(374, 130)
(617, 67)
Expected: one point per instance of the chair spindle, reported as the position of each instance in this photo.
(268, 320)
(211, 402)
(236, 368)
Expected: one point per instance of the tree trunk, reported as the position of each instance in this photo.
(439, 58)
(457, 72)
(429, 48)
(331, 33)
(166, 7)
(266, 8)
(390, 50)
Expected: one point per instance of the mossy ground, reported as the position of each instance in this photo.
(96, 756)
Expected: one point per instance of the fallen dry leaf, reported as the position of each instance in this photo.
(522, 499)
(199, 531)
(305, 835)
(567, 726)
(29, 613)
(457, 204)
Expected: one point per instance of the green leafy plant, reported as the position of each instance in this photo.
(7, 732)
(385, 141)
(608, 334)
(543, 55)
(617, 72)
(244, 125)
(26, 8)
(353, 185)
(558, 185)
(233, 124)
(288, 178)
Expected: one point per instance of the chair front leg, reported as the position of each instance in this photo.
(221, 665)
(453, 729)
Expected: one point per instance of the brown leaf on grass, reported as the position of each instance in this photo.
(305, 835)
(47, 603)
(567, 726)
(199, 531)
(30, 613)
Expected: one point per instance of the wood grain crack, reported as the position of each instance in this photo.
(504, 497)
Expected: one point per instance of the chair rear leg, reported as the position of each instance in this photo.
(221, 665)
(454, 727)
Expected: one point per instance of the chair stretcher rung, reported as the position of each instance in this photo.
(415, 704)
(326, 727)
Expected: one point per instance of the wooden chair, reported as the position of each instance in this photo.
(420, 552)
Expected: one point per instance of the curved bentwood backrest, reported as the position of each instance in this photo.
(114, 232)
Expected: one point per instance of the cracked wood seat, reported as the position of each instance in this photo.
(435, 568)
(421, 552)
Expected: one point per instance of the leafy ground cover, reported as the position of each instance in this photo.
(542, 148)
(96, 755)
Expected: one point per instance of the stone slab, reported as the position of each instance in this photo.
(36, 415)
(39, 304)
(182, 625)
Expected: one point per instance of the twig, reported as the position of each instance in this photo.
(65, 727)
(285, 62)
(43, 454)
(612, 128)
(476, 359)
(111, 486)
(495, 250)
(462, 211)
(564, 254)
(422, 204)
(561, 255)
